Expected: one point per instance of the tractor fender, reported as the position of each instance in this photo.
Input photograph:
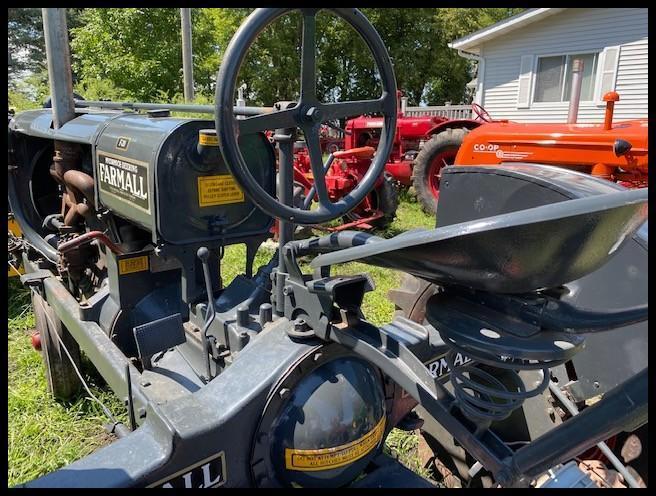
(453, 124)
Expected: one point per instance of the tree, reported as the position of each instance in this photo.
(459, 22)
(138, 50)
(136, 53)
(425, 67)
(26, 50)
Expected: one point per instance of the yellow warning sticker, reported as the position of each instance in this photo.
(14, 228)
(329, 458)
(134, 264)
(208, 139)
(218, 190)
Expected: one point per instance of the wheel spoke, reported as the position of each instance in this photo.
(273, 120)
(308, 54)
(355, 108)
(316, 163)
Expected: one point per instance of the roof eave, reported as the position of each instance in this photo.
(472, 42)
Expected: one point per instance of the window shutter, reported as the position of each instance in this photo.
(610, 58)
(524, 83)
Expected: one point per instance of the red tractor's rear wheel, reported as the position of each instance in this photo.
(63, 382)
(437, 153)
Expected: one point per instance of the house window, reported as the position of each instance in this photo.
(554, 77)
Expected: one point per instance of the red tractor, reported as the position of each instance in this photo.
(346, 169)
(361, 136)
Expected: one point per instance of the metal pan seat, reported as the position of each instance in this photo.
(518, 252)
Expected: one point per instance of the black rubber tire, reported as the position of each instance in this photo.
(387, 196)
(63, 382)
(448, 140)
(411, 296)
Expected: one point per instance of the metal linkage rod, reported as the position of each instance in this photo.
(174, 107)
(571, 407)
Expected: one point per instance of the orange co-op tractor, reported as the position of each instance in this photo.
(615, 151)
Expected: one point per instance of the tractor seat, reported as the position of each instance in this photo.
(518, 252)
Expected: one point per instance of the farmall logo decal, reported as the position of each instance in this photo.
(124, 179)
(210, 472)
(122, 143)
(439, 368)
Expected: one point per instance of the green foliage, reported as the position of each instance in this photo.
(135, 53)
(425, 67)
(25, 41)
(272, 67)
(138, 50)
(19, 101)
(29, 92)
(100, 89)
(458, 22)
(26, 46)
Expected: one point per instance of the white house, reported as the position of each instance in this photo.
(524, 63)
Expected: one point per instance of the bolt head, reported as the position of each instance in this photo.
(313, 114)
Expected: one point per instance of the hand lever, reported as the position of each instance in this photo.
(203, 255)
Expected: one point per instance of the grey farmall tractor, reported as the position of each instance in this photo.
(278, 379)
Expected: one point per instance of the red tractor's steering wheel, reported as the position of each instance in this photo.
(481, 113)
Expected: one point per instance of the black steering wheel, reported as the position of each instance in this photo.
(307, 114)
(481, 113)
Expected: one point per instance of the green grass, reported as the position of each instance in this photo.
(45, 435)
(404, 446)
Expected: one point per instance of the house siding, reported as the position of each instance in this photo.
(574, 30)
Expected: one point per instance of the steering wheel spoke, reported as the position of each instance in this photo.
(316, 163)
(309, 56)
(346, 110)
(270, 121)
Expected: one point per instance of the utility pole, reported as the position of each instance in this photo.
(187, 63)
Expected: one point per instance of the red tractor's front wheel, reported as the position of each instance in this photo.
(384, 199)
(437, 153)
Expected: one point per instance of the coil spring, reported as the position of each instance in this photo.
(482, 395)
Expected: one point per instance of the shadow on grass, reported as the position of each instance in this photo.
(18, 298)
(19, 311)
